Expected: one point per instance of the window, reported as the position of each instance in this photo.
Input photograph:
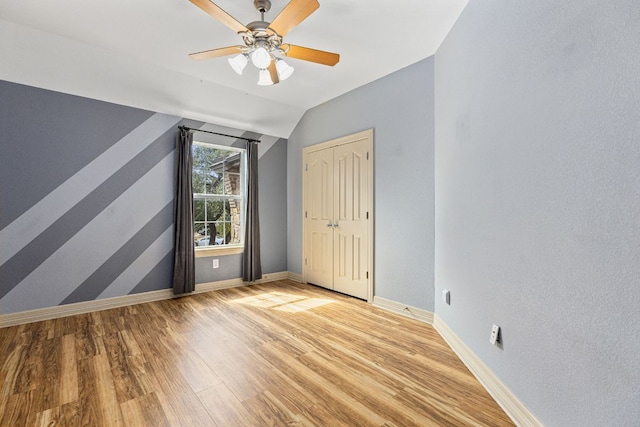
(218, 195)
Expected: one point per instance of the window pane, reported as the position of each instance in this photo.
(211, 231)
(232, 162)
(198, 182)
(212, 180)
(199, 229)
(232, 183)
(224, 232)
(201, 235)
(215, 210)
(205, 233)
(216, 185)
(220, 232)
(234, 209)
(199, 154)
(216, 166)
(199, 211)
(235, 233)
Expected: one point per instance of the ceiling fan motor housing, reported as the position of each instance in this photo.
(260, 35)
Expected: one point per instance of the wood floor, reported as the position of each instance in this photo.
(280, 354)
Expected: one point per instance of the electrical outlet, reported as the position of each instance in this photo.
(446, 296)
(495, 335)
(216, 263)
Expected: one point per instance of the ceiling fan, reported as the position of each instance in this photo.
(263, 40)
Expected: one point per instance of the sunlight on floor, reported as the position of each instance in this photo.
(283, 302)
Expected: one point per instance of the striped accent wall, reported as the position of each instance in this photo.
(86, 198)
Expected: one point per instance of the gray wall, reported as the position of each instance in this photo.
(86, 200)
(399, 108)
(538, 201)
(272, 188)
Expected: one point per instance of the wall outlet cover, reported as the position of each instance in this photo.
(495, 335)
(446, 296)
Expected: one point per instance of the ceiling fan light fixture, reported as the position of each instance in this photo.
(264, 78)
(238, 63)
(261, 58)
(284, 70)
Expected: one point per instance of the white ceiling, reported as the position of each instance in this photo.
(134, 52)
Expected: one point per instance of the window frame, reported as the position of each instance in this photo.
(226, 249)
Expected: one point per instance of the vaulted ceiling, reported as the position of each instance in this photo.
(134, 52)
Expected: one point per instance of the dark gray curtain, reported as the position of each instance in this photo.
(184, 256)
(251, 268)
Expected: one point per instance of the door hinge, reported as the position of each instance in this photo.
(367, 155)
(367, 215)
(367, 274)
(305, 261)
(305, 214)
(306, 167)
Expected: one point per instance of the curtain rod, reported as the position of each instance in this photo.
(221, 134)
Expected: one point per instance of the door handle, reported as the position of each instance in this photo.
(335, 225)
(329, 225)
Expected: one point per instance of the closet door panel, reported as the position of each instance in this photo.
(351, 227)
(319, 218)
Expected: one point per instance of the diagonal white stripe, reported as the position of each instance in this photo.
(69, 266)
(130, 277)
(34, 221)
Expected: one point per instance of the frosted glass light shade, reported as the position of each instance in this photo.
(284, 70)
(238, 63)
(261, 58)
(264, 78)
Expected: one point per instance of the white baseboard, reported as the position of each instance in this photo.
(55, 312)
(272, 277)
(515, 409)
(403, 309)
(295, 277)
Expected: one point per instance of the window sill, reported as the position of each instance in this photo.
(208, 252)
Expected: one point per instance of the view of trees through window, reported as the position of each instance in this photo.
(217, 195)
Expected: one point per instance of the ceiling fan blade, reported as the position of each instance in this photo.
(215, 53)
(293, 13)
(274, 72)
(222, 16)
(312, 55)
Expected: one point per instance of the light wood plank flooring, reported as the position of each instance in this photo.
(278, 354)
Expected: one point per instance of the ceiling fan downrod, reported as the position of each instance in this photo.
(262, 6)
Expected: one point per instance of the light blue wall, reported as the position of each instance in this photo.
(86, 200)
(538, 201)
(399, 107)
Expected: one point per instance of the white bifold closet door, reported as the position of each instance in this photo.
(337, 216)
